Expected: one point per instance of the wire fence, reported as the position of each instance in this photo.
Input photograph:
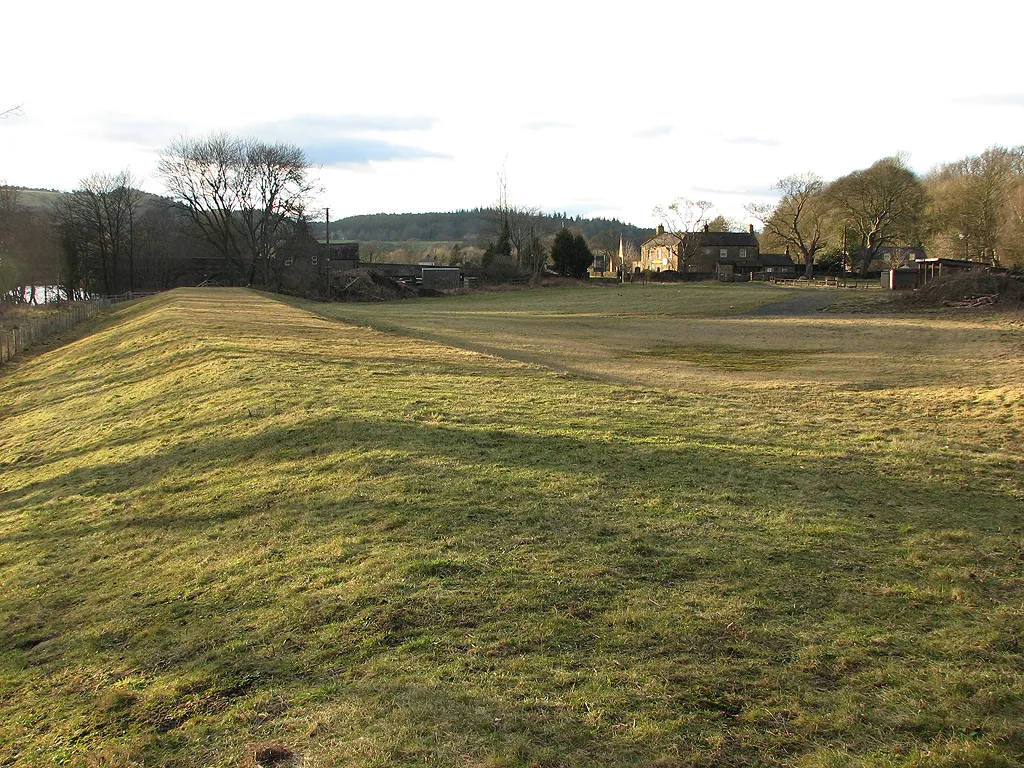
(23, 330)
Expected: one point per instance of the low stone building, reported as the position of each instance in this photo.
(920, 271)
(441, 278)
(900, 279)
(777, 265)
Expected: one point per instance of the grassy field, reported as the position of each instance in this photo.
(645, 526)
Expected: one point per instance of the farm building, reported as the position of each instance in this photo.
(920, 271)
(441, 278)
(697, 254)
(777, 264)
(343, 256)
(900, 279)
(762, 266)
(892, 256)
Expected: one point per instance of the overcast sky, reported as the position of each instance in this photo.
(595, 109)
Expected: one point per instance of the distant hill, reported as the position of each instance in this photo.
(43, 199)
(460, 226)
(468, 227)
(37, 198)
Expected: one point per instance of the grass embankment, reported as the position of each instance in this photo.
(225, 522)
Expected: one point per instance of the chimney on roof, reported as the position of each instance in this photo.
(750, 228)
(661, 230)
(707, 227)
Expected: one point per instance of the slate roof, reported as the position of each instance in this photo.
(708, 239)
(777, 260)
(665, 238)
(883, 258)
(725, 239)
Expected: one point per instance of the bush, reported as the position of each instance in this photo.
(502, 269)
(571, 254)
(668, 276)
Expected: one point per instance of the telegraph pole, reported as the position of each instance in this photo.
(327, 256)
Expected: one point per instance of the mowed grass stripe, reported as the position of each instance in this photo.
(227, 522)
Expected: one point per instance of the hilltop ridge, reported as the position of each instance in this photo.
(462, 226)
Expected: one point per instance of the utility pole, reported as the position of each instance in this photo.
(327, 256)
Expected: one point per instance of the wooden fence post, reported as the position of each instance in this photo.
(36, 330)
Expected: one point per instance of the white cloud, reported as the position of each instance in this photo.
(416, 106)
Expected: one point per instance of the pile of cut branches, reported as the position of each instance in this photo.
(367, 285)
(968, 290)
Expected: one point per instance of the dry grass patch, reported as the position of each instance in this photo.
(728, 357)
(228, 524)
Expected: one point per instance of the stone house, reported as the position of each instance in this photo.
(894, 256)
(698, 253)
(661, 252)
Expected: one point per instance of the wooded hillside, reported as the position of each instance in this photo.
(459, 226)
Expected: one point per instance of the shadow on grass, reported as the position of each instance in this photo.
(538, 599)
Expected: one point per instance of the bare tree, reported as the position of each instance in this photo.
(517, 239)
(606, 244)
(199, 173)
(12, 112)
(1012, 229)
(370, 252)
(882, 204)
(683, 215)
(237, 194)
(800, 220)
(969, 203)
(28, 258)
(273, 188)
(687, 220)
(162, 251)
(100, 215)
(627, 256)
(10, 207)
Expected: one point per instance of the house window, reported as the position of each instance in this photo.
(723, 253)
(743, 253)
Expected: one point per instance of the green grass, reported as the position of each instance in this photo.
(226, 522)
(730, 357)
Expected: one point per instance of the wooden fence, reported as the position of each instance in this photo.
(831, 282)
(130, 296)
(33, 329)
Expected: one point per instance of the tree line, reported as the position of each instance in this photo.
(236, 213)
(464, 226)
(236, 208)
(972, 209)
